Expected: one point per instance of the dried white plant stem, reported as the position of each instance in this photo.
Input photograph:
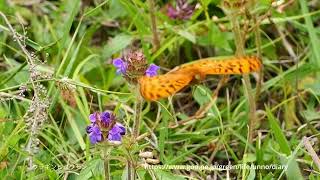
(36, 115)
(311, 151)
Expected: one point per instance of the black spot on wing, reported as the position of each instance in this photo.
(171, 86)
(250, 67)
(230, 68)
(151, 95)
(158, 96)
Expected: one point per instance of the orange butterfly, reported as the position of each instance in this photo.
(165, 85)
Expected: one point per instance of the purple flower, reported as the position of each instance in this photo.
(152, 70)
(89, 128)
(114, 137)
(103, 126)
(106, 118)
(120, 65)
(172, 12)
(183, 10)
(116, 132)
(93, 117)
(95, 133)
(133, 65)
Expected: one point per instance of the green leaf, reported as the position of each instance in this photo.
(278, 133)
(252, 174)
(116, 9)
(117, 44)
(93, 167)
(292, 171)
(215, 37)
(314, 40)
(202, 94)
(73, 124)
(187, 35)
(161, 174)
(310, 114)
(166, 116)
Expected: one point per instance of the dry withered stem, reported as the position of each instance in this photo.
(311, 151)
(37, 113)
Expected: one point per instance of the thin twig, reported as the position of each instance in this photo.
(106, 163)
(155, 125)
(23, 48)
(311, 151)
(137, 117)
(239, 41)
(14, 97)
(31, 64)
(156, 43)
(259, 53)
(39, 105)
(286, 43)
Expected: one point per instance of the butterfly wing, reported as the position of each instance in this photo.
(162, 86)
(234, 65)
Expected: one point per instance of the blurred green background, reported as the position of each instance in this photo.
(62, 71)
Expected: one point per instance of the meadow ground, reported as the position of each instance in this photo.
(70, 74)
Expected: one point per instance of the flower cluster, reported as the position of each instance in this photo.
(182, 11)
(134, 65)
(104, 126)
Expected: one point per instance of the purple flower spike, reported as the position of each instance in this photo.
(117, 129)
(171, 12)
(116, 132)
(120, 65)
(93, 117)
(106, 118)
(103, 127)
(122, 129)
(95, 134)
(152, 70)
(114, 137)
(182, 11)
(89, 128)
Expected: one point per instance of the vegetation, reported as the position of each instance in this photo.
(56, 70)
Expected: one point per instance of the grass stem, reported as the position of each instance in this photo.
(137, 117)
(155, 39)
(240, 51)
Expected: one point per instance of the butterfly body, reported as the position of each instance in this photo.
(161, 86)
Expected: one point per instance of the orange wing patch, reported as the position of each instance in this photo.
(235, 65)
(161, 86)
